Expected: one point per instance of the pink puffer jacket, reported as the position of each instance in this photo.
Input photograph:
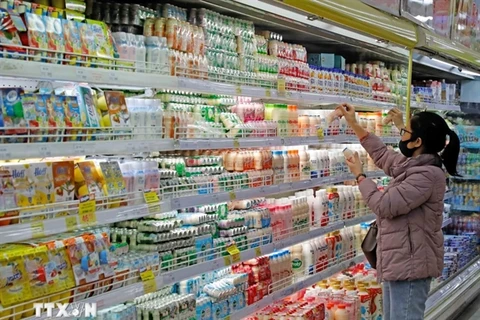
(409, 213)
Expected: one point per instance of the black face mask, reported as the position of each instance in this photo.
(407, 152)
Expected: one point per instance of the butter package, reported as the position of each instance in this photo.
(14, 285)
(87, 107)
(24, 186)
(12, 114)
(73, 43)
(37, 35)
(56, 118)
(103, 46)
(35, 113)
(55, 39)
(43, 183)
(117, 108)
(74, 118)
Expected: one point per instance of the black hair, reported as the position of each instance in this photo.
(433, 131)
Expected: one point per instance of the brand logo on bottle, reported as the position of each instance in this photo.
(297, 263)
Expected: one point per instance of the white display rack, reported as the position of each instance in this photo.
(10, 151)
(450, 297)
(435, 106)
(262, 142)
(24, 231)
(133, 80)
(297, 286)
(130, 292)
(198, 200)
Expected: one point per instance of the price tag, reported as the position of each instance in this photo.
(151, 197)
(268, 93)
(258, 252)
(232, 196)
(46, 72)
(238, 89)
(281, 85)
(45, 151)
(148, 279)
(86, 213)
(81, 74)
(5, 153)
(113, 76)
(227, 261)
(71, 223)
(234, 252)
(38, 229)
(79, 149)
(236, 144)
(226, 318)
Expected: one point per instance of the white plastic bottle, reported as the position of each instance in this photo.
(298, 262)
(305, 165)
(286, 169)
(365, 301)
(308, 257)
(375, 291)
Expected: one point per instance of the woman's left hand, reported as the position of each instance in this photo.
(355, 166)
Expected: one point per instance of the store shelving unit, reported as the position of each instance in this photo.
(25, 231)
(394, 41)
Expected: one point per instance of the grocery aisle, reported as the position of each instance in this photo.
(472, 311)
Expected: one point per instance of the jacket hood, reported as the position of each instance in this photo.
(421, 160)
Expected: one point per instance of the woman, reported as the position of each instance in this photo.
(410, 210)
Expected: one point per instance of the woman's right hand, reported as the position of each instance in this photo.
(348, 111)
(397, 118)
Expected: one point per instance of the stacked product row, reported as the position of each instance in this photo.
(78, 265)
(81, 113)
(195, 43)
(56, 182)
(218, 294)
(353, 294)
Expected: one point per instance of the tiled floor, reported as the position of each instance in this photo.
(472, 312)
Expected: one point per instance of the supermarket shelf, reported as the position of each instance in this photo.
(260, 142)
(172, 277)
(435, 106)
(467, 178)
(241, 194)
(12, 151)
(123, 79)
(55, 149)
(304, 283)
(446, 222)
(132, 291)
(466, 208)
(449, 298)
(20, 232)
(25, 231)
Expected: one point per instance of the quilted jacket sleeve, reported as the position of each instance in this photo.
(384, 158)
(398, 200)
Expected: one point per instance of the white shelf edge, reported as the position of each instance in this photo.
(448, 299)
(10, 151)
(435, 106)
(132, 291)
(241, 194)
(117, 79)
(304, 283)
(25, 231)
